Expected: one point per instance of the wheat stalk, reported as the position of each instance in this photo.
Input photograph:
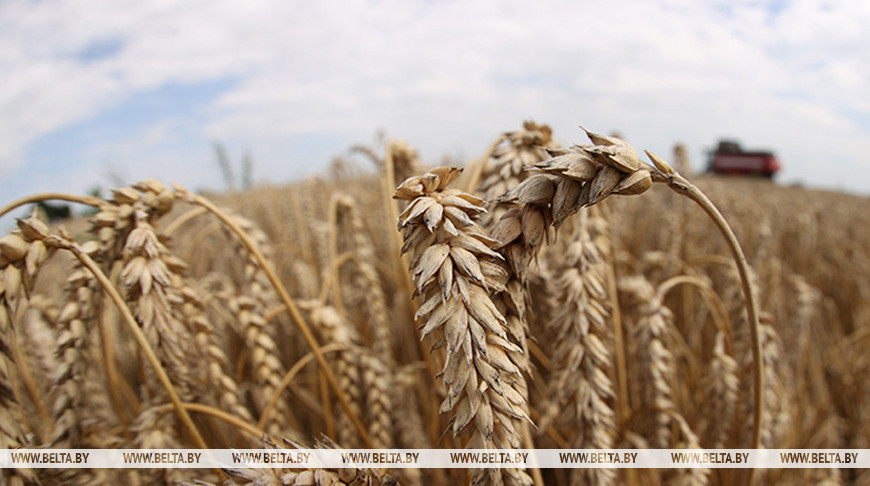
(665, 174)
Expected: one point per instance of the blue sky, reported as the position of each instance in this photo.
(97, 91)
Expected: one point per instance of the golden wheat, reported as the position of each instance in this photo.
(165, 321)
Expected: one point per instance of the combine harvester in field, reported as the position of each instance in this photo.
(730, 159)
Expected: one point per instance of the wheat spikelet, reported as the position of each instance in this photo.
(306, 282)
(408, 420)
(451, 260)
(261, 288)
(125, 229)
(116, 218)
(69, 360)
(156, 431)
(320, 236)
(576, 177)
(807, 312)
(776, 417)
(696, 476)
(250, 308)
(65, 241)
(38, 338)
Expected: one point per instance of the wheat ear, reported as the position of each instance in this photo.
(654, 357)
(14, 250)
(365, 276)
(580, 390)
(337, 330)
(70, 349)
(454, 266)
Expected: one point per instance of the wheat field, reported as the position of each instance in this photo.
(546, 296)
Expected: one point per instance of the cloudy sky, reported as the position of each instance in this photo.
(93, 91)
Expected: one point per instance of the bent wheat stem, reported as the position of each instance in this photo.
(256, 432)
(288, 378)
(713, 302)
(682, 186)
(46, 196)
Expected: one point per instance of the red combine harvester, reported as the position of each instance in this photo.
(729, 158)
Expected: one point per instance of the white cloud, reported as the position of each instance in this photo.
(451, 75)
